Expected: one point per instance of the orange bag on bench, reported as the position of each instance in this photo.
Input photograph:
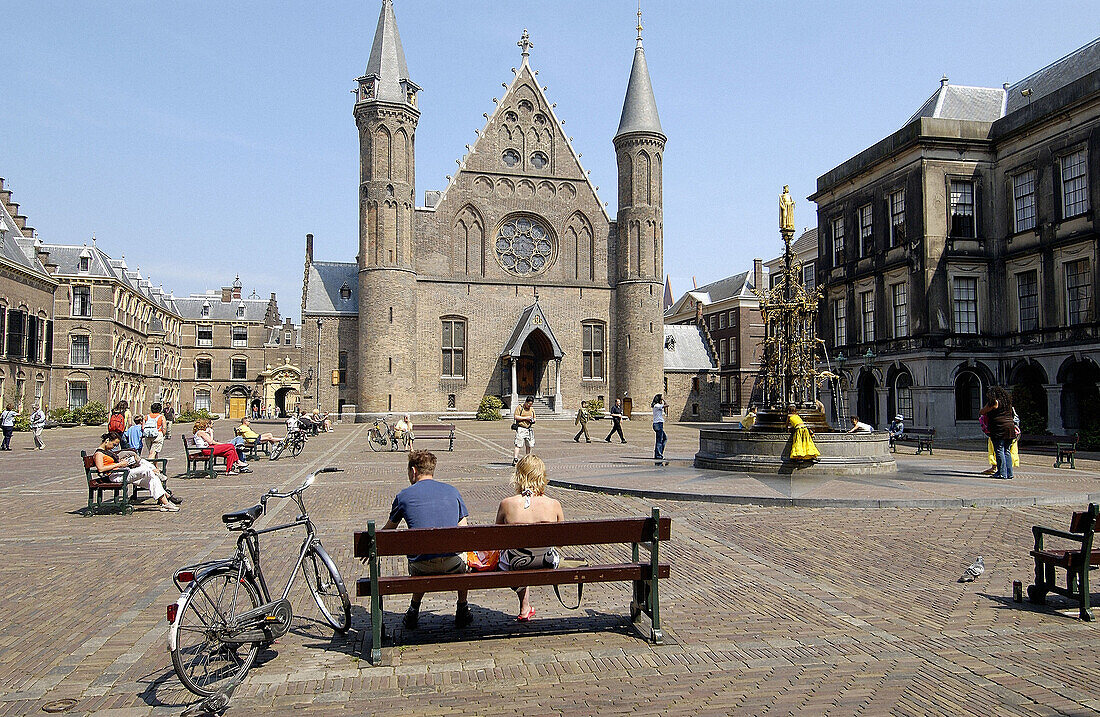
(479, 561)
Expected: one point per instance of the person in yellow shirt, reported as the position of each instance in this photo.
(250, 436)
(750, 419)
(802, 447)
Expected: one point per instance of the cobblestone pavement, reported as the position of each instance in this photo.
(770, 610)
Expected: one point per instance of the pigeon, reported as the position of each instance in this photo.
(974, 570)
(214, 705)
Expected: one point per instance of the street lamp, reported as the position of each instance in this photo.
(869, 359)
(317, 374)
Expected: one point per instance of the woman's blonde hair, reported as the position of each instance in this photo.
(200, 424)
(530, 475)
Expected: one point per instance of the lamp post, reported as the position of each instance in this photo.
(317, 374)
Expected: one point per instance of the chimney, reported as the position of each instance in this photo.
(758, 274)
(43, 256)
(309, 248)
(698, 313)
(227, 294)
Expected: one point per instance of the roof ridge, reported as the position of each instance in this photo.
(1055, 62)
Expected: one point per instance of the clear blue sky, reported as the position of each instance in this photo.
(206, 138)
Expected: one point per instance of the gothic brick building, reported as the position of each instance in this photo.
(514, 280)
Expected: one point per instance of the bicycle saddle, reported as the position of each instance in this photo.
(247, 516)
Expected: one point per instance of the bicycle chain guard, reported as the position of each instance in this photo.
(262, 624)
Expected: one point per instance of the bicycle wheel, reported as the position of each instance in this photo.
(296, 449)
(374, 439)
(328, 589)
(202, 661)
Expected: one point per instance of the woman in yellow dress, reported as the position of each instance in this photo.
(802, 447)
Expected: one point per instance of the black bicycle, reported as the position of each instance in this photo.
(226, 613)
(382, 436)
(294, 442)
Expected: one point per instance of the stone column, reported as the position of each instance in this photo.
(1054, 407)
(880, 399)
(515, 396)
(557, 386)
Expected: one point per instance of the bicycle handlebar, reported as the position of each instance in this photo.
(274, 493)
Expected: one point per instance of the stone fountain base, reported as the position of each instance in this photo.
(757, 451)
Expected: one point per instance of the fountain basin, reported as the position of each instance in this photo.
(732, 449)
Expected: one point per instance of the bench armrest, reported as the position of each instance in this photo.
(1039, 531)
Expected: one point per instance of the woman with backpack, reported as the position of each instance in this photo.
(121, 418)
(153, 430)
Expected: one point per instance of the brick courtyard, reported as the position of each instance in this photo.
(835, 610)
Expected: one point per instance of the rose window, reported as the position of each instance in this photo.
(523, 246)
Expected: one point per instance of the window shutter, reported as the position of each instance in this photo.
(979, 208)
(49, 343)
(1059, 207)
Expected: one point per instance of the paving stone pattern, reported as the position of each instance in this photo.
(769, 610)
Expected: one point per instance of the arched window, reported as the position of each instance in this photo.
(592, 350)
(903, 396)
(454, 348)
(968, 396)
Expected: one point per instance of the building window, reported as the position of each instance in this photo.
(342, 367)
(722, 320)
(82, 301)
(205, 335)
(900, 296)
(724, 351)
(1078, 293)
(965, 299)
(592, 352)
(1023, 200)
(16, 333)
(202, 369)
(454, 348)
(1027, 294)
(80, 351)
(240, 336)
(867, 312)
(866, 233)
(962, 209)
(808, 276)
(903, 395)
(897, 218)
(695, 384)
(733, 320)
(1074, 185)
(78, 393)
(840, 322)
(205, 310)
(288, 338)
(240, 312)
(238, 369)
(838, 241)
(714, 322)
(725, 381)
(202, 399)
(85, 263)
(968, 396)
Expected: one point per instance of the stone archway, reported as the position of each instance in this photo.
(866, 398)
(1080, 379)
(1027, 380)
(281, 389)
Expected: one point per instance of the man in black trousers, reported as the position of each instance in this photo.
(616, 422)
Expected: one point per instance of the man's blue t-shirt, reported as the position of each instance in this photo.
(133, 437)
(428, 504)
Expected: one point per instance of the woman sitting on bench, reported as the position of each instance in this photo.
(142, 472)
(204, 439)
(529, 505)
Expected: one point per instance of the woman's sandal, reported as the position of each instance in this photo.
(527, 617)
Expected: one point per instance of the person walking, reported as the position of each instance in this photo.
(153, 430)
(581, 419)
(999, 419)
(7, 425)
(616, 422)
(38, 422)
(523, 420)
(660, 412)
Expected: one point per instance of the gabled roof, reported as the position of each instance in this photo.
(1056, 75)
(727, 288)
(387, 58)
(984, 104)
(325, 280)
(639, 106)
(531, 320)
(686, 349)
(17, 249)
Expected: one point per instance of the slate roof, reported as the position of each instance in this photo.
(984, 104)
(729, 287)
(387, 58)
(323, 286)
(1057, 74)
(640, 106)
(275, 335)
(807, 241)
(525, 327)
(687, 350)
(17, 249)
(190, 307)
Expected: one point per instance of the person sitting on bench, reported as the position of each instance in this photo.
(142, 473)
(204, 440)
(245, 431)
(428, 503)
(529, 505)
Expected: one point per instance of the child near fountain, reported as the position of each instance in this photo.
(802, 447)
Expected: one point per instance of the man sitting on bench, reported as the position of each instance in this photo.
(428, 503)
(245, 431)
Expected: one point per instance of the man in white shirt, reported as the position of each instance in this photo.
(859, 427)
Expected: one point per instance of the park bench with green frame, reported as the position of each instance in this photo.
(1076, 562)
(125, 493)
(197, 463)
(434, 431)
(1065, 447)
(372, 545)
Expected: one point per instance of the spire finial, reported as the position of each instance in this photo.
(639, 20)
(525, 45)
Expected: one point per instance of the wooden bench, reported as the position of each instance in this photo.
(197, 463)
(922, 437)
(123, 499)
(434, 431)
(1076, 562)
(1065, 447)
(373, 544)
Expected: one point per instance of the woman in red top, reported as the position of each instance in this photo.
(204, 439)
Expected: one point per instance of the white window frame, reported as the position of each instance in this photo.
(955, 195)
(900, 309)
(1020, 300)
(69, 392)
(453, 349)
(867, 316)
(201, 341)
(1023, 201)
(203, 400)
(72, 353)
(1076, 183)
(234, 341)
(593, 359)
(86, 306)
(965, 308)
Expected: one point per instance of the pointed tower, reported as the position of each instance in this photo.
(386, 115)
(639, 147)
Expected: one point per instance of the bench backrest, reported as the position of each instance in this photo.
(1084, 521)
(89, 463)
(421, 541)
(189, 444)
(440, 427)
(921, 431)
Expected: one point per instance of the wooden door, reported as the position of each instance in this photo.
(237, 406)
(525, 376)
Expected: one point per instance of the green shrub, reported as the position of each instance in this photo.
(22, 422)
(594, 408)
(62, 415)
(489, 410)
(192, 416)
(1030, 402)
(92, 413)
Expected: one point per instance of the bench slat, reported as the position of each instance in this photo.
(426, 541)
(404, 585)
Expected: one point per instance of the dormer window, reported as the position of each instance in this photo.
(345, 291)
(240, 311)
(205, 310)
(85, 263)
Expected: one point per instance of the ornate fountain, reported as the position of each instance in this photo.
(790, 375)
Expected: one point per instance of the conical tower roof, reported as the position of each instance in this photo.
(387, 58)
(640, 106)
